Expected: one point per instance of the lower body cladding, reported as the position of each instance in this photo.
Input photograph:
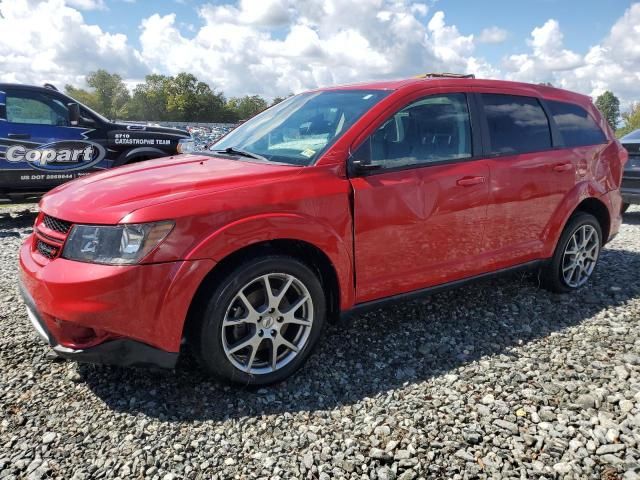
(118, 315)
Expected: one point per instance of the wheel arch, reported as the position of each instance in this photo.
(307, 253)
(598, 209)
(138, 154)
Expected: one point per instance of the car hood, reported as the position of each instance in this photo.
(107, 197)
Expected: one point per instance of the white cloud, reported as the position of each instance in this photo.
(48, 41)
(274, 47)
(613, 64)
(88, 4)
(493, 35)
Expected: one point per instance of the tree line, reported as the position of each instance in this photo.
(184, 98)
(180, 98)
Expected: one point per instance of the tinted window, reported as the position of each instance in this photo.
(578, 128)
(39, 110)
(516, 124)
(433, 129)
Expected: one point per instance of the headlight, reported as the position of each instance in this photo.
(117, 245)
(186, 145)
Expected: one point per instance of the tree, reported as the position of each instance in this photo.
(111, 93)
(247, 106)
(631, 120)
(609, 106)
(149, 100)
(83, 96)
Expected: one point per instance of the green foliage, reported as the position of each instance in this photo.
(609, 106)
(247, 106)
(111, 93)
(82, 96)
(182, 98)
(631, 120)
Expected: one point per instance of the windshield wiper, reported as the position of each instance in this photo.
(241, 153)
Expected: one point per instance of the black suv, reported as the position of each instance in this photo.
(630, 188)
(48, 138)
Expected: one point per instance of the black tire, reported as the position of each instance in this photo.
(206, 334)
(552, 277)
(625, 207)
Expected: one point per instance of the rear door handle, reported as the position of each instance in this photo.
(19, 136)
(562, 167)
(469, 181)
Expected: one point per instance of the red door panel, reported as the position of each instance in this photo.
(524, 192)
(418, 227)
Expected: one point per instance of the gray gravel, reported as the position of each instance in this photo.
(496, 380)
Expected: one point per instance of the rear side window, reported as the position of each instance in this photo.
(516, 124)
(577, 127)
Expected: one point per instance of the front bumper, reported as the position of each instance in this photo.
(121, 315)
(121, 352)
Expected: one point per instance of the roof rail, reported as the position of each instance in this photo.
(50, 86)
(446, 75)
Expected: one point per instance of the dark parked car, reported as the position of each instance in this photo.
(631, 179)
(48, 138)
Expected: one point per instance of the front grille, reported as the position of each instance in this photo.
(46, 250)
(56, 224)
(632, 148)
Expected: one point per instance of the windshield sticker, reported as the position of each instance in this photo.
(307, 153)
(367, 97)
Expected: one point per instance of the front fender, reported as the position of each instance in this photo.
(555, 226)
(283, 226)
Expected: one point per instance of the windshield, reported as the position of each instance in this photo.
(299, 129)
(631, 136)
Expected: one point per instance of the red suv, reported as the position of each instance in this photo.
(333, 201)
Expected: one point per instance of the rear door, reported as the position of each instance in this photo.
(530, 175)
(419, 217)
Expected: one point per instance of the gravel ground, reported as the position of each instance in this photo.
(497, 380)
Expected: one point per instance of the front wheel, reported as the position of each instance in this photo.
(261, 322)
(576, 255)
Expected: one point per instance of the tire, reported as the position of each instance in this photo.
(554, 275)
(237, 313)
(625, 207)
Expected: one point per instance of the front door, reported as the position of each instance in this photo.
(419, 217)
(39, 120)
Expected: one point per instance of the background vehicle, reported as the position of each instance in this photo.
(332, 201)
(41, 118)
(630, 188)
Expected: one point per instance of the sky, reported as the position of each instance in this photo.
(277, 47)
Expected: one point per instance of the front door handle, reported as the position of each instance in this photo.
(19, 136)
(469, 181)
(562, 167)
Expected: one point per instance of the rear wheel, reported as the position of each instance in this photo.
(576, 255)
(261, 322)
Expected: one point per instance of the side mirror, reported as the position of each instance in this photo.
(359, 163)
(74, 113)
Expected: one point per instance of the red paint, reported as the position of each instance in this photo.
(384, 234)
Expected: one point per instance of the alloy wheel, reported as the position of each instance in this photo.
(267, 324)
(580, 256)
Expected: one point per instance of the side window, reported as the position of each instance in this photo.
(516, 124)
(577, 127)
(37, 109)
(432, 129)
